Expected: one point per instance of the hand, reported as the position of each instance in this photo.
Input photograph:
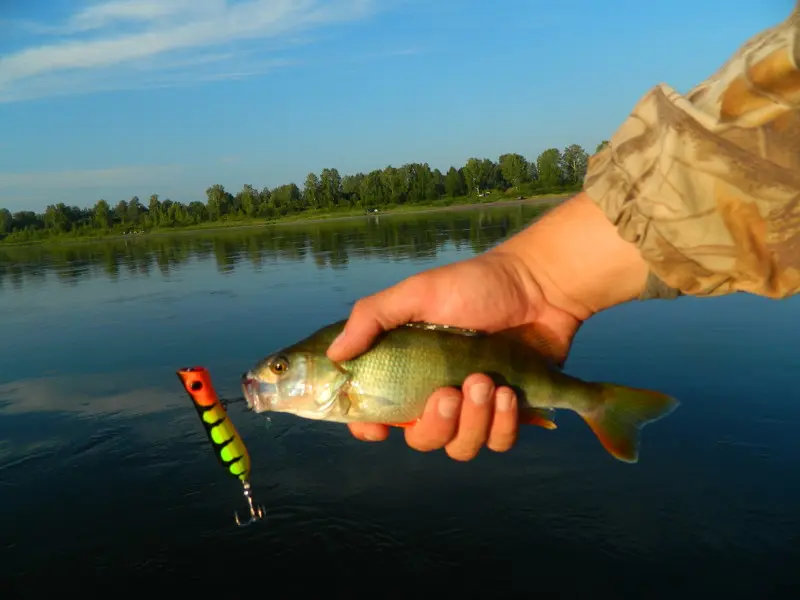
(542, 284)
(491, 292)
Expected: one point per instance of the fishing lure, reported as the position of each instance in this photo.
(228, 445)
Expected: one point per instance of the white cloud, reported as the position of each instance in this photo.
(123, 43)
(100, 15)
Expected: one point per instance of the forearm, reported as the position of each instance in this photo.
(576, 256)
(695, 194)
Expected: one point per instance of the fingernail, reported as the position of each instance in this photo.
(479, 393)
(448, 406)
(504, 400)
(371, 437)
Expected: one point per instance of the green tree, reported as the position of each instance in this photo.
(135, 209)
(573, 164)
(121, 212)
(330, 187)
(478, 174)
(285, 198)
(514, 169)
(395, 184)
(351, 186)
(454, 184)
(248, 200)
(548, 165)
(6, 221)
(56, 217)
(373, 190)
(219, 203)
(102, 215)
(311, 191)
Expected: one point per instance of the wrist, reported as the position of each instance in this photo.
(578, 260)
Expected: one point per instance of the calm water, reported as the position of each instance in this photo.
(106, 474)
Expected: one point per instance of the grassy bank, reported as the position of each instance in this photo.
(446, 204)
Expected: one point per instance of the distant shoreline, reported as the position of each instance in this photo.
(419, 209)
(429, 209)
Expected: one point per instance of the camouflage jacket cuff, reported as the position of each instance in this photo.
(707, 185)
(655, 289)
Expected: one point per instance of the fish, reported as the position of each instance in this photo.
(391, 381)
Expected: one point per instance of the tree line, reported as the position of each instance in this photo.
(331, 245)
(512, 174)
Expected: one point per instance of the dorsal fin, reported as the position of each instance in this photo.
(446, 328)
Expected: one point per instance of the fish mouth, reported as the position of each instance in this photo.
(258, 394)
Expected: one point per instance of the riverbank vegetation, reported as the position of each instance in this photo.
(331, 243)
(323, 195)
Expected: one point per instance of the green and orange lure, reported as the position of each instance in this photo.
(228, 445)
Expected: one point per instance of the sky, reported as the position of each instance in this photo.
(115, 98)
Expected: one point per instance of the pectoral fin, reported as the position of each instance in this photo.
(403, 425)
(541, 417)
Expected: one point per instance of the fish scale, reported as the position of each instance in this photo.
(413, 366)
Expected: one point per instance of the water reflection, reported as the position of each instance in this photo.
(332, 244)
(106, 473)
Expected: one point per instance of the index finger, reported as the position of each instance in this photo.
(375, 314)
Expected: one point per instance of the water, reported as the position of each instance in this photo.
(106, 475)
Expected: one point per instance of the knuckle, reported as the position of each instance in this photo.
(478, 378)
(360, 307)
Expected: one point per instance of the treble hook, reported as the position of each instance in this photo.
(256, 512)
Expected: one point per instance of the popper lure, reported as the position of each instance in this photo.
(228, 445)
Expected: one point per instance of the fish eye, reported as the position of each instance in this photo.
(279, 366)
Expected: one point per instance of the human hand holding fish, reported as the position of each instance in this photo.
(488, 293)
(496, 326)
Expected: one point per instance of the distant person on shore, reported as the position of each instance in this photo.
(696, 194)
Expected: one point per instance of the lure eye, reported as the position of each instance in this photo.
(279, 366)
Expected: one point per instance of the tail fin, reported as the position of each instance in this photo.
(621, 413)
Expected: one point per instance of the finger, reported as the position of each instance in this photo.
(369, 432)
(476, 418)
(505, 425)
(438, 423)
(374, 314)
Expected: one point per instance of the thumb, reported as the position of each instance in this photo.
(375, 314)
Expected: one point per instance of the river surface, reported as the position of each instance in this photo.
(106, 476)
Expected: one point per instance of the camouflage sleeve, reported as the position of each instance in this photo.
(707, 184)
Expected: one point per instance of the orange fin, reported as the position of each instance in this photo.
(621, 414)
(403, 425)
(541, 417)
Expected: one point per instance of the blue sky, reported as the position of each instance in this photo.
(115, 98)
